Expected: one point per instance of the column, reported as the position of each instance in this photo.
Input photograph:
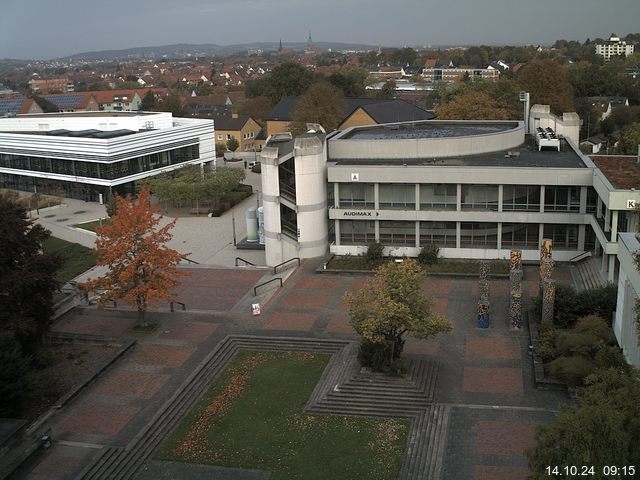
(459, 198)
(376, 199)
(612, 268)
(614, 226)
(500, 197)
(377, 229)
(418, 234)
(582, 233)
(542, 190)
(336, 195)
(417, 196)
(458, 234)
(337, 231)
(583, 200)
(499, 234)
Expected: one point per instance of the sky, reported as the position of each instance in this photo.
(44, 29)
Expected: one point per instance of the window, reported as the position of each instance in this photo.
(592, 200)
(397, 196)
(219, 137)
(438, 196)
(358, 195)
(565, 237)
(357, 232)
(562, 199)
(398, 233)
(442, 234)
(229, 137)
(521, 197)
(480, 197)
(523, 235)
(478, 234)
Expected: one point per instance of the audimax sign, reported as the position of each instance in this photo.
(359, 213)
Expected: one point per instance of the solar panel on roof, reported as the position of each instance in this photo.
(65, 101)
(84, 133)
(59, 132)
(113, 133)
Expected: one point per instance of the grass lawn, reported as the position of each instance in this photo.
(91, 226)
(355, 262)
(252, 417)
(76, 258)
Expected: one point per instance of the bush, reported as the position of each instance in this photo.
(547, 342)
(594, 325)
(256, 168)
(571, 305)
(429, 254)
(571, 370)
(584, 344)
(375, 251)
(610, 356)
(565, 306)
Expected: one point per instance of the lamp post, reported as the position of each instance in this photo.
(233, 226)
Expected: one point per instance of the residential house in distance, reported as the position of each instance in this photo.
(50, 85)
(606, 105)
(211, 106)
(10, 107)
(613, 48)
(241, 127)
(451, 74)
(74, 102)
(124, 100)
(358, 111)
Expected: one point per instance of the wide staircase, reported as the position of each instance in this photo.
(588, 273)
(344, 389)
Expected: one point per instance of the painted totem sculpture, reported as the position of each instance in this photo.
(515, 301)
(483, 319)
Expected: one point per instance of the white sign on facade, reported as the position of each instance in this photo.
(360, 213)
(355, 177)
(631, 204)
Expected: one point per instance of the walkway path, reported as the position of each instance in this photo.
(484, 400)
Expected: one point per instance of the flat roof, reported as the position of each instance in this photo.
(427, 129)
(622, 171)
(102, 113)
(523, 156)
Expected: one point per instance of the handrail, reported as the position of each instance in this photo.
(580, 256)
(285, 262)
(184, 257)
(184, 307)
(255, 289)
(247, 262)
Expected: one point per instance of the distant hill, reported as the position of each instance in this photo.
(182, 50)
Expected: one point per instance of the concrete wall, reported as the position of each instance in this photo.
(568, 126)
(624, 325)
(78, 121)
(271, 202)
(427, 147)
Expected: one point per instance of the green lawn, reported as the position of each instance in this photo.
(91, 226)
(252, 417)
(76, 258)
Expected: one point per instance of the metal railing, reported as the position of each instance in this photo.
(277, 279)
(294, 259)
(247, 262)
(184, 307)
(580, 256)
(184, 257)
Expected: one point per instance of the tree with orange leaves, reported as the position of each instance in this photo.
(142, 269)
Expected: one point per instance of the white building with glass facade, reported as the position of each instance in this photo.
(477, 189)
(90, 155)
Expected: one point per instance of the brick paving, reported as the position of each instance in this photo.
(504, 381)
(162, 355)
(476, 367)
(128, 383)
(99, 418)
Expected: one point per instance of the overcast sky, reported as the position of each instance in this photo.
(55, 28)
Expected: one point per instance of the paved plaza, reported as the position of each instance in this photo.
(485, 377)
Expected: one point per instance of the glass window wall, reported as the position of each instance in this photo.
(357, 232)
(565, 237)
(356, 195)
(521, 198)
(398, 233)
(397, 196)
(442, 234)
(561, 199)
(480, 197)
(521, 235)
(438, 196)
(478, 235)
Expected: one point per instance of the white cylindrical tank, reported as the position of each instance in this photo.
(261, 225)
(252, 224)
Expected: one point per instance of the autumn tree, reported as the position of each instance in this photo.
(171, 103)
(322, 103)
(630, 140)
(548, 83)
(472, 106)
(390, 305)
(148, 102)
(351, 80)
(287, 79)
(142, 270)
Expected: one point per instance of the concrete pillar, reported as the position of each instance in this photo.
(540, 233)
(336, 231)
(612, 268)
(607, 220)
(500, 198)
(614, 226)
(336, 195)
(581, 236)
(271, 204)
(499, 245)
(603, 263)
(542, 190)
(376, 198)
(417, 234)
(459, 199)
(583, 200)
(377, 230)
(458, 228)
(599, 207)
